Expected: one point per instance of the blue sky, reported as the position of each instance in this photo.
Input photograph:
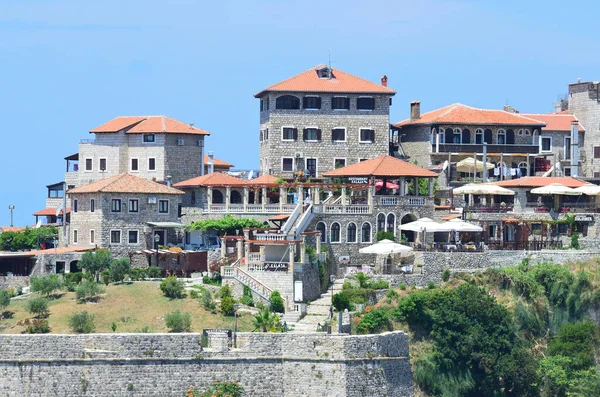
(69, 66)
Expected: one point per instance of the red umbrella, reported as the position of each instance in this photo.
(388, 185)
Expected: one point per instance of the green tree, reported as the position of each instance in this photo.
(341, 301)
(119, 268)
(95, 262)
(575, 341)
(178, 322)
(277, 304)
(173, 288)
(362, 279)
(4, 301)
(266, 321)
(82, 323)
(227, 306)
(38, 307)
(46, 285)
(88, 290)
(228, 225)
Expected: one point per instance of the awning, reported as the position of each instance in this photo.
(510, 220)
(48, 212)
(166, 225)
(283, 217)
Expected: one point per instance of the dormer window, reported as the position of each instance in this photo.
(325, 73)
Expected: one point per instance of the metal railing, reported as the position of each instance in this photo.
(250, 208)
(497, 207)
(491, 148)
(342, 209)
(416, 201)
(246, 279)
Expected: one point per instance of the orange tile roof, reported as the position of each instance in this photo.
(263, 180)
(555, 121)
(382, 166)
(342, 82)
(125, 183)
(214, 179)
(450, 217)
(218, 163)
(11, 228)
(48, 212)
(539, 181)
(462, 114)
(148, 124)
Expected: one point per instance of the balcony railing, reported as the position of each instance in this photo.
(342, 209)
(490, 207)
(250, 208)
(270, 237)
(416, 201)
(491, 148)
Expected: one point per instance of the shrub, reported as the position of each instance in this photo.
(276, 300)
(82, 323)
(402, 287)
(72, 279)
(575, 241)
(207, 302)
(380, 284)
(46, 285)
(227, 306)
(95, 262)
(430, 285)
(226, 389)
(391, 294)
(247, 297)
(225, 291)
(142, 274)
(446, 275)
(113, 326)
(194, 294)
(154, 271)
(266, 321)
(173, 288)
(35, 325)
(105, 276)
(178, 322)
(38, 307)
(119, 269)
(381, 235)
(341, 301)
(374, 321)
(4, 300)
(576, 341)
(88, 291)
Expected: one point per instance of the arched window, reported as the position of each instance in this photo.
(381, 222)
(433, 138)
(466, 136)
(535, 138)
(391, 224)
(236, 197)
(456, 135)
(510, 137)
(351, 233)
(501, 137)
(479, 136)
(323, 230)
(365, 233)
(527, 132)
(217, 197)
(287, 102)
(335, 233)
(448, 135)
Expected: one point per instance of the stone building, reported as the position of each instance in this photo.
(584, 104)
(151, 147)
(123, 213)
(322, 119)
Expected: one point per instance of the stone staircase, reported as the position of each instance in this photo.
(318, 311)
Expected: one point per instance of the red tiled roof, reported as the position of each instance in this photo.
(11, 228)
(382, 166)
(263, 180)
(540, 181)
(555, 121)
(148, 124)
(48, 212)
(462, 114)
(450, 217)
(342, 82)
(214, 179)
(125, 183)
(218, 163)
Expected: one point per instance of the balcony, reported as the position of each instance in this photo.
(249, 209)
(403, 201)
(474, 148)
(490, 207)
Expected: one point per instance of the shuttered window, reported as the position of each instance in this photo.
(365, 103)
(311, 102)
(312, 134)
(367, 135)
(340, 103)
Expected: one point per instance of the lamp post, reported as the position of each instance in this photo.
(332, 279)
(11, 208)
(235, 309)
(156, 240)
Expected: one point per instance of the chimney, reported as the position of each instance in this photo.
(169, 179)
(574, 148)
(211, 167)
(384, 80)
(415, 110)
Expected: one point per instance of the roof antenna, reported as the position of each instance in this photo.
(329, 73)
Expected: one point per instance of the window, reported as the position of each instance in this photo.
(235, 197)
(596, 174)
(92, 205)
(536, 228)
(75, 202)
(89, 163)
(312, 134)
(311, 167)
(151, 164)
(381, 223)
(149, 138)
(289, 133)
(74, 236)
(335, 233)
(456, 136)
(338, 135)
(523, 132)
(312, 102)
(365, 103)
(188, 238)
(324, 73)
(563, 228)
(134, 165)
(339, 163)
(264, 104)
(567, 148)
(266, 134)
(115, 205)
(597, 152)
(501, 137)
(102, 165)
(510, 137)
(133, 236)
(287, 164)
(545, 143)
(340, 103)
(321, 228)
(391, 223)
(217, 197)
(115, 237)
(493, 230)
(351, 233)
(466, 136)
(365, 233)
(478, 136)
(567, 171)
(163, 206)
(366, 135)
(134, 205)
(287, 102)
(92, 236)
(487, 136)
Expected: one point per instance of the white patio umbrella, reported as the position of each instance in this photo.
(468, 164)
(483, 188)
(555, 189)
(458, 225)
(385, 247)
(590, 189)
(424, 225)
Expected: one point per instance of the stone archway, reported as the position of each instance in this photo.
(410, 235)
(74, 267)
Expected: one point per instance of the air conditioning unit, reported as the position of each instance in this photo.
(298, 155)
(151, 200)
(180, 142)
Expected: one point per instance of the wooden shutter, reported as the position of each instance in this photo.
(510, 137)
(318, 103)
(372, 135)
(449, 135)
(466, 136)
(305, 102)
(333, 135)
(487, 136)
(319, 134)
(304, 134)
(295, 134)
(597, 152)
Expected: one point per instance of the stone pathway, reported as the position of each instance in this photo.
(318, 311)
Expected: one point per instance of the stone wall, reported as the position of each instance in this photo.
(265, 364)
(584, 103)
(13, 281)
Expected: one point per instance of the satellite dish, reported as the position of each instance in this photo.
(59, 209)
